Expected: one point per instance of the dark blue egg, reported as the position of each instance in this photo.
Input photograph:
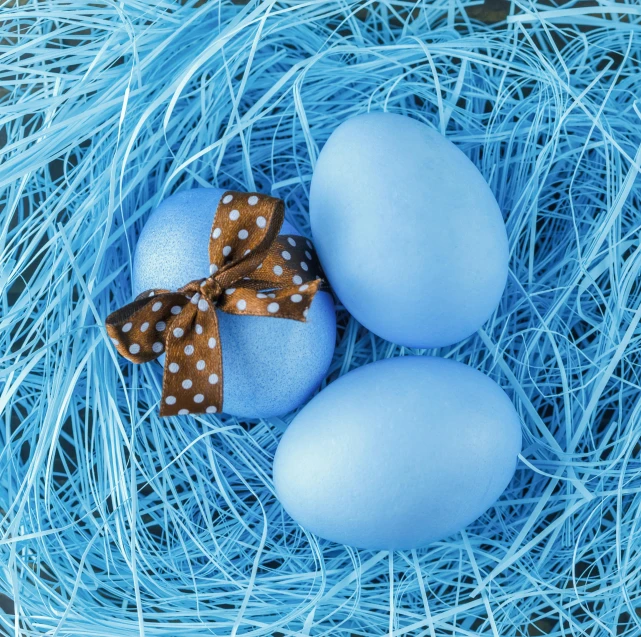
(270, 365)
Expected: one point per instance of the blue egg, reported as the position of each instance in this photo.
(270, 365)
(398, 453)
(409, 233)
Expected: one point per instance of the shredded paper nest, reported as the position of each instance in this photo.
(115, 522)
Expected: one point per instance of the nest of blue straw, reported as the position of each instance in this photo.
(114, 522)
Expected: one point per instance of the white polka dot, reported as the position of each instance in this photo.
(213, 379)
(200, 365)
(198, 398)
(170, 400)
(115, 341)
(203, 283)
(157, 347)
(296, 298)
(186, 383)
(211, 409)
(183, 412)
(234, 214)
(306, 312)
(189, 350)
(302, 288)
(213, 268)
(160, 326)
(227, 198)
(151, 294)
(260, 295)
(216, 233)
(273, 307)
(176, 310)
(297, 279)
(253, 200)
(127, 327)
(199, 328)
(203, 306)
(308, 242)
(304, 266)
(261, 222)
(178, 332)
(285, 255)
(174, 367)
(291, 242)
(308, 255)
(271, 296)
(229, 291)
(226, 251)
(258, 267)
(243, 234)
(241, 304)
(245, 254)
(134, 348)
(195, 298)
(144, 327)
(156, 306)
(278, 270)
(211, 343)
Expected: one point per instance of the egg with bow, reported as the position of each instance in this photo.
(408, 232)
(270, 365)
(398, 453)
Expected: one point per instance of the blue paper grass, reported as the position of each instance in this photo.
(114, 522)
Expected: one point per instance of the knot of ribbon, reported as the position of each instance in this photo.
(253, 271)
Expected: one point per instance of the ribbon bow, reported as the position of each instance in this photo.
(253, 271)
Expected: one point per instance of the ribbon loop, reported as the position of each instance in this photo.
(138, 330)
(244, 228)
(253, 271)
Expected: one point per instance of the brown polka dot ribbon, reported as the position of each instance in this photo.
(253, 272)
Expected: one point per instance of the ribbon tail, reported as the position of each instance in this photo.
(193, 377)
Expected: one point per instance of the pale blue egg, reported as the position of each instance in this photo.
(408, 231)
(270, 365)
(398, 453)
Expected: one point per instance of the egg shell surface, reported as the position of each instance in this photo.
(398, 453)
(409, 233)
(270, 365)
